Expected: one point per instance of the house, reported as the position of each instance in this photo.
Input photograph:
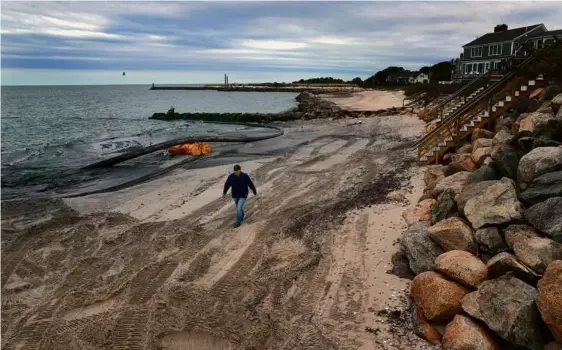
(490, 51)
(421, 78)
(401, 78)
(540, 39)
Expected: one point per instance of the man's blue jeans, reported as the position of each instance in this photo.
(239, 202)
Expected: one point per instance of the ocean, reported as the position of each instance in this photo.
(50, 132)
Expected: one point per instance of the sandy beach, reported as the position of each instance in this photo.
(371, 100)
(159, 265)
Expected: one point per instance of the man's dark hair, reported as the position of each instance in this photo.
(237, 167)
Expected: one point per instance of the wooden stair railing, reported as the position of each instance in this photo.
(448, 129)
(435, 111)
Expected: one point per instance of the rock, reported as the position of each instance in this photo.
(421, 326)
(549, 299)
(502, 137)
(454, 182)
(490, 240)
(433, 174)
(481, 134)
(428, 194)
(497, 204)
(485, 173)
(507, 306)
(478, 143)
(547, 217)
(543, 187)
(531, 249)
(479, 153)
(539, 161)
(460, 157)
(446, 207)
(438, 297)
(466, 148)
(469, 191)
(553, 345)
(419, 213)
(465, 334)
(549, 92)
(453, 234)
(462, 267)
(545, 108)
(398, 196)
(533, 120)
(521, 105)
(506, 124)
(469, 304)
(488, 160)
(419, 248)
(507, 160)
(555, 103)
(454, 168)
(505, 263)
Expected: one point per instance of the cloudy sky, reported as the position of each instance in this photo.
(197, 42)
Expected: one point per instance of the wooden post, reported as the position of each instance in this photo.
(491, 117)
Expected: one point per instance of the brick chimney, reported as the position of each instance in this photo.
(500, 28)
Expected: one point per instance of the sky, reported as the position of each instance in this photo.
(81, 43)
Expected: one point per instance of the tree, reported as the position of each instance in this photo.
(357, 81)
(440, 72)
(380, 77)
(548, 61)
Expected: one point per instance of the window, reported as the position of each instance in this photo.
(487, 66)
(539, 44)
(476, 51)
(495, 49)
(480, 68)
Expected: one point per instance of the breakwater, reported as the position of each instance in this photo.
(309, 107)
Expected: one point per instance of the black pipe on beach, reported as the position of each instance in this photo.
(163, 145)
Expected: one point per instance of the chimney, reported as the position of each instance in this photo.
(500, 28)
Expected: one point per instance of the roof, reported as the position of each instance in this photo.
(547, 33)
(507, 35)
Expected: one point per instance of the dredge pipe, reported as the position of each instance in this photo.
(164, 145)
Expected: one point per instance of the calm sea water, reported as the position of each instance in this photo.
(49, 132)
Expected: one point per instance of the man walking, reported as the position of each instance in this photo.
(239, 182)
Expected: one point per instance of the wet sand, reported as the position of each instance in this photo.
(159, 266)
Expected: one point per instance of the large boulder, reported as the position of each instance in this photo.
(497, 204)
(549, 134)
(481, 134)
(462, 267)
(505, 263)
(419, 248)
(550, 92)
(469, 304)
(485, 173)
(490, 240)
(422, 327)
(453, 234)
(469, 191)
(538, 162)
(549, 299)
(487, 142)
(555, 103)
(466, 148)
(454, 182)
(507, 160)
(534, 119)
(547, 217)
(420, 212)
(543, 187)
(479, 154)
(445, 208)
(531, 249)
(464, 334)
(438, 297)
(501, 137)
(507, 306)
(433, 174)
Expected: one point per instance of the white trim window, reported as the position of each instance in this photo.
(487, 67)
(495, 49)
(476, 51)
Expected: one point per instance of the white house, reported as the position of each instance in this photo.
(421, 78)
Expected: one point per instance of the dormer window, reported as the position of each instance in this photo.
(495, 49)
(476, 51)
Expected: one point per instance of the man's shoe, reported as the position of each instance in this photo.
(236, 225)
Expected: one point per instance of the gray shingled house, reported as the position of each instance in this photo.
(490, 51)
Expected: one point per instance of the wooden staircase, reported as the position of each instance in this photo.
(474, 106)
